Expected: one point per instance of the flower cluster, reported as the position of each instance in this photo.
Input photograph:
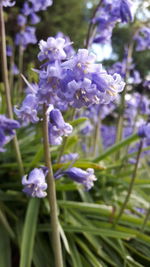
(77, 81)
(7, 132)
(26, 35)
(109, 13)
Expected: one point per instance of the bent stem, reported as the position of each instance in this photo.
(51, 194)
(145, 220)
(130, 185)
(7, 88)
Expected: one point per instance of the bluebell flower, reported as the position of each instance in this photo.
(125, 11)
(28, 111)
(26, 36)
(21, 20)
(38, 5)
(57, 127)
(35, 184)
(86, 178)
(144, 131)
(14, 69)
(7, 127)
(69, 50)
(142, 38)
(109, 13)
(52, 49)
(34, 19)
(69, 157)
(7, 3)
(27, 9)
(9, 50)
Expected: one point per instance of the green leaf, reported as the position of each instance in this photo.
(78, 121)
(5, 250)
(29, 231)
(117, 147)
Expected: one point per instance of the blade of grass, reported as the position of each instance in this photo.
(29, 231)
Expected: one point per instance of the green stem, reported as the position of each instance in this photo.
(52, 194)
(122, 105)
(20, 68)
(145, 220)
(7, 88)
(130, 185)
(62, 149)
(117, 146)
(91, 28)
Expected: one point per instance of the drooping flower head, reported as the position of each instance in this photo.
(35, 184)
(86, 178)
(144, 130)
(57, 127)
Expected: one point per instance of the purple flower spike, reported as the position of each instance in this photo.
(86, 178)
(58, 127)
(35, 185)
(144, 130)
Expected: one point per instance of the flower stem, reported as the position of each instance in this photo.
(20, 68)
(145, 220)
(52, 194)
(91, 28)
(7, 88)
(130, 185)
(122, 104)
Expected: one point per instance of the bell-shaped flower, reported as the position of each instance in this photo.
(35, 185)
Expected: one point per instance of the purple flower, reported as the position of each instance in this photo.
(38, 5)
(26, 10)
(86, 178)
(7, 3)
(21, 20)
(14, 69)
(69, 50)
(69, 157)
(7, 132)
(144, 130)
(35, 185)
(88, 128)
(109, 13)
(142, 38)
(34, 19)
(9, 50)
(52, 49)
(28, 111)
(125, 11)
(57, 127)
(86, 83)
(26, 36)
